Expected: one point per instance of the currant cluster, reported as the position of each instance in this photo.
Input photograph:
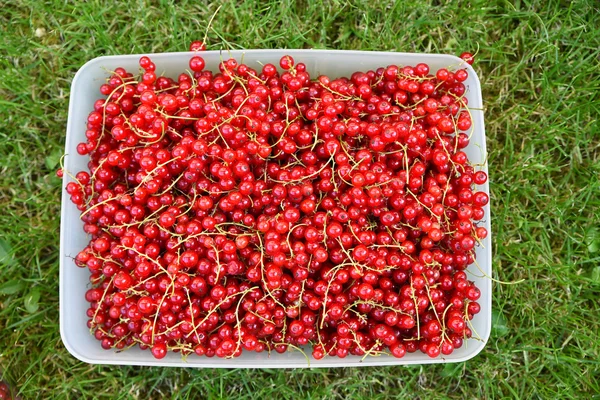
(5, 392)
(245, 210)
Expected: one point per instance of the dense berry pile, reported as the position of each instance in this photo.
(254, 210)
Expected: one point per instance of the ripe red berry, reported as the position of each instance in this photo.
(197, 64)
(468, 57)
(123, 280)
(197, 45)
(159, 351)
(286, 62)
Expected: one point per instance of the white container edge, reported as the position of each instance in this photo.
(73, 281)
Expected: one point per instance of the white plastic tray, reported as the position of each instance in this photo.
(74, 281)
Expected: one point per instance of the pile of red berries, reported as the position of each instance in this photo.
(249, 210)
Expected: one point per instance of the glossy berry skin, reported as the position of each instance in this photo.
(468, 57)
(4, 391)
(234, 210)
(197, 45)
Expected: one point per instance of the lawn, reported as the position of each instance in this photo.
(539, 65)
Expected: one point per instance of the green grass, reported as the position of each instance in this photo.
(539, 64)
